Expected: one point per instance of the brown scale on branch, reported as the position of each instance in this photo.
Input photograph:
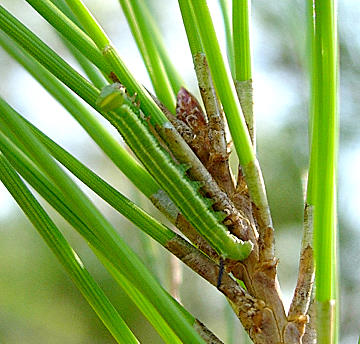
(241, 197)
(189, 111)
(219, 162)
(114, 78)
(209, 135)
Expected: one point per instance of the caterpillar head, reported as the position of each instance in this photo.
(111, 97)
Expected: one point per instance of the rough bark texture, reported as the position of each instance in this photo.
(304, 286)
(205, 334)
(310, 330)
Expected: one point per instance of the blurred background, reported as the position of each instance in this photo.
(39, 303)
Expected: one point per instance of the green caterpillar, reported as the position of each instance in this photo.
(171, 177)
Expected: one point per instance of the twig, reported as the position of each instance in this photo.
(246, 307)
(310, 330)
(219, 158)
(162, 201)
(261, 210)
(189, 112)
(302, 310)
(241, 197)
(205, 334)
(301, 299)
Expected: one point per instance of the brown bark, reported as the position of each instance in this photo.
(260, 308)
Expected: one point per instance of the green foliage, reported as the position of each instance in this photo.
(65, 254)
(26, 151)
(323, 162)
